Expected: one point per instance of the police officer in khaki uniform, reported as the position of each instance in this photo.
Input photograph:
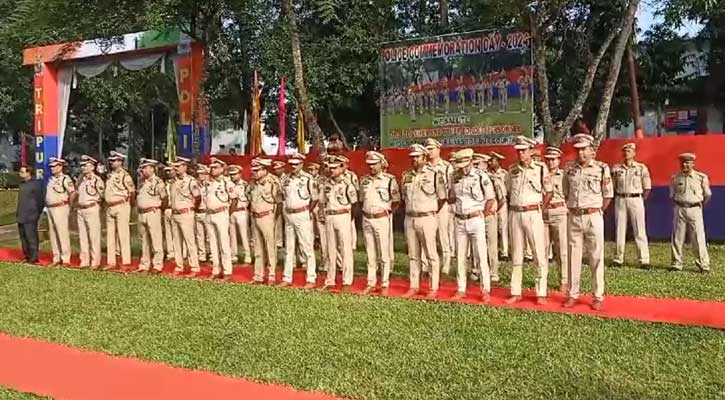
(264, 196)
(445, 219)
(690, 191)
(278, 170)
(588, 192)
(118, 196)
(239, 227)
(632, 184)
(169, 176)
(555, 217)
(379, 195)
(200, 221)
(498, 173)
(151, 195)
(471, 193)
(220, 196)
(529, 188)
(58, 197)
(355, 181)
(424, 194)
(90, 194)
(338, 196)
(184, 198)
(299, 194)
(318, 215)
(481, 161)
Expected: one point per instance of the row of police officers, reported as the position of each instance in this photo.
(469, 209)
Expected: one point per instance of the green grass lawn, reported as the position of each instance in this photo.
(362, 347)
(7, 394)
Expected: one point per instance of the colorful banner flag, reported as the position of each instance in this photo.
(282, 145)
(255, 131)
(301, 145)
(170, 140)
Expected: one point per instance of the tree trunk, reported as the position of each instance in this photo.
(634, 93)
(300, 88)
(343, 138)
(600, 128)
(553, 136)
(444, 14)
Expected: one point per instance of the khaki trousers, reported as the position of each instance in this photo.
(299, 238)
(279, 231)
(239, 227)
(168, 233)
(265, 247)
(444, 228)
(89, 232)
(59, 233)
(528, 226)
(353, 233)
(152, 240)
(471, 234)
(217, 227)
(491, 222)
(503, 230)
(631, 208)
(557, 242)
(377, 244)
(118, 226)
(391, 244)
(183, 233)
(689, 219)
(202, 236)
(339, 245)
(322, 234)
(586, 234)
(420, 233)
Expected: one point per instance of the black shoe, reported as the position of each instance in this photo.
(615, 265)
(674, 269)
(646, 267)
(704, 271)
(503, 258)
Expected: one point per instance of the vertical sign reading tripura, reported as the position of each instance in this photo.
(464, 89)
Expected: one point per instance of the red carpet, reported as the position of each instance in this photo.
(66, 373)
(675, 311)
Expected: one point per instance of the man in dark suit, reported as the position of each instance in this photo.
(31, 201)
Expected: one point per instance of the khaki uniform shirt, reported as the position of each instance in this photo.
(59, 189)
(557, 195)
(151, 193)
(264, 194)
(471, 191)
(378, 193)
(338, 194)
(352, 178)
(690, 188)
(502, 176)
(423, 189)
(241, 188)
(527, 184)
(90, 189)
(219, 193)
(444, 168)
(587, 186)
(299, 190)
(184, 191)
(119, 186)
(631, 179)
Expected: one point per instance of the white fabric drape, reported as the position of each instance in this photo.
(65, 82)
(140, 62)
(92, 69)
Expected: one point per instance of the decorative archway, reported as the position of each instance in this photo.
(57, 65)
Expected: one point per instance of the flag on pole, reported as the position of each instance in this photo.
(282, 145)
(301, 145)
(170, 140)
(255, 131)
